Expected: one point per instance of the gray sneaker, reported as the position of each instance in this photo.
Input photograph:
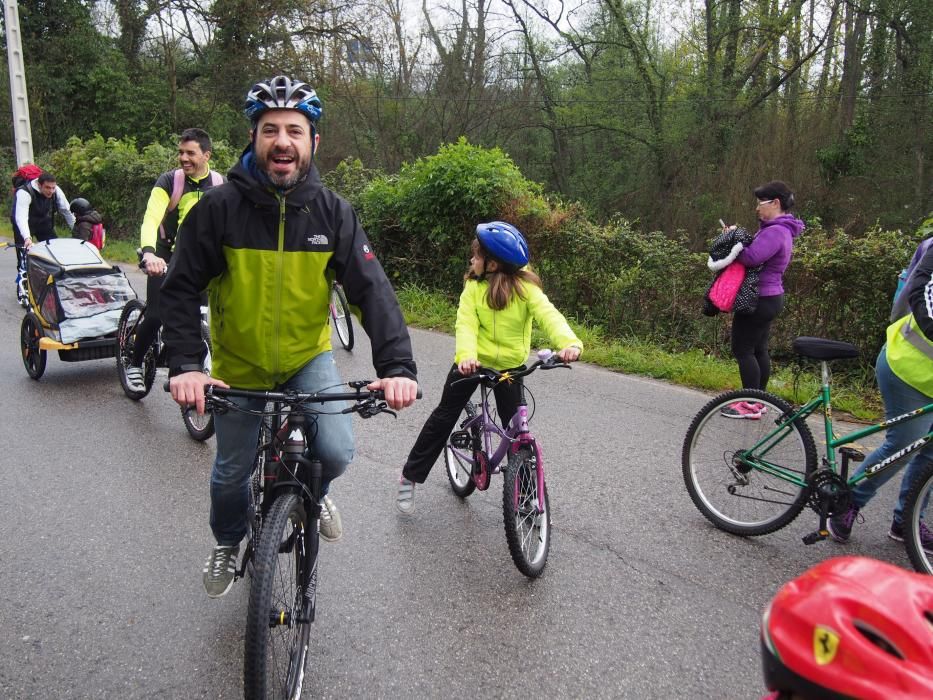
(405, 500)
(220, 570)
(135, 380)
(331, 527)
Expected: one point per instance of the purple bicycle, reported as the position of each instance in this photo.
(471, 462)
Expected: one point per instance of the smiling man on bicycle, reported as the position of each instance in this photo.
(267, 247)
(172, 197)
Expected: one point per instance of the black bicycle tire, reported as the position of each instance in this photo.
(200, 434)
(30, 333)
(344, 330)
(149, 360)
(921, 560)
(206, 432)
(265, 560)
(470, 486)
(531, 568)
(809, 447)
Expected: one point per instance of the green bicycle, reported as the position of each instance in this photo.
(753, 477)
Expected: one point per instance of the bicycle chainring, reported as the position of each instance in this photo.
(829, 492)
(481, 470)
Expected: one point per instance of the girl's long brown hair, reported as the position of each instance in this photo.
(502, 283)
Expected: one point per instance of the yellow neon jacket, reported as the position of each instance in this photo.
(159, 199)
(502, 339)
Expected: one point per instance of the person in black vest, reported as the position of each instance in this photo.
(33, 219)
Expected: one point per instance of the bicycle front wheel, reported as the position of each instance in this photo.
(340, 313)
(737, 498)
(130, 319)
(916, 511)
(527, 528)
(278, 622)
(201, 427)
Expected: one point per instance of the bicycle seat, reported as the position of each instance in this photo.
(823, 349)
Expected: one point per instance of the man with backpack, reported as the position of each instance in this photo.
(34, 205)
(172, 197)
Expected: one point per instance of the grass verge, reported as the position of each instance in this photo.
(694, 368)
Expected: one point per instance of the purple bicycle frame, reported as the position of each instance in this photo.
(517, 435)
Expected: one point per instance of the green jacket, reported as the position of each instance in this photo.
(268, 260)
(502, 339)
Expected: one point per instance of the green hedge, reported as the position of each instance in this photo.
(628, 282)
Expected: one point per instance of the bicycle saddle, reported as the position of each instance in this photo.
(823, 349)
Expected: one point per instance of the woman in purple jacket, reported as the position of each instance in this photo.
(772, 250)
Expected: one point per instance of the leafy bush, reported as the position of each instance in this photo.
(116, 177)
(422, 220)
(841, 287)
(350, 179)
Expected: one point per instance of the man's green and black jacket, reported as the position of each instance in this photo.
(267, 260)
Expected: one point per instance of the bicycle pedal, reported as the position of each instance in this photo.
(461, 439)
(854, 455)
(815, 537)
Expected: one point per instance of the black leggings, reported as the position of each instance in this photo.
(443, 419)
(750, 341)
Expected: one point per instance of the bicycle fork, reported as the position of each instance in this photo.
(524, 439)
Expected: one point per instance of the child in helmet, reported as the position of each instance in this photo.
(88, 223)
(500, 298)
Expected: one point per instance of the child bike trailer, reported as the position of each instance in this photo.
(75, 298)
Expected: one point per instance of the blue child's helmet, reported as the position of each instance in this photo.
(503, 242)
(283, 93)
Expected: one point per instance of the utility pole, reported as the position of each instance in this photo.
(22, 131)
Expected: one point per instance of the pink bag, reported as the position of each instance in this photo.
(726, 286)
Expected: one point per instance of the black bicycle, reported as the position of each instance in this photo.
(199, 427)
(281, 552)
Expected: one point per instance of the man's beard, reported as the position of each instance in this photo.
(285, 182)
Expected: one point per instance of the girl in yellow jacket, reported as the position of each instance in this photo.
(500, 299)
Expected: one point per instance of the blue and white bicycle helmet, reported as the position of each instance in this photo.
(283, 93)
(503, 242)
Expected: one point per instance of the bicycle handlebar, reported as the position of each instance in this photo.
(491, 377)
(366, 402)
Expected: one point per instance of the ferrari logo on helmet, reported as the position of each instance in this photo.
(825, 645)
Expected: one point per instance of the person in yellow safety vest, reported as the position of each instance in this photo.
(172, 197)
(905, 376)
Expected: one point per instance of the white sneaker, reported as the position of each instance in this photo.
(135, 380)
(405, 500)
(331, 527)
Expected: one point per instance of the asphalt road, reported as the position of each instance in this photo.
(103, 533)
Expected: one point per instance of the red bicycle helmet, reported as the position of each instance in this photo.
(851, 627)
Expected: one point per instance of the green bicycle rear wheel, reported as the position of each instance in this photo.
(733, 497)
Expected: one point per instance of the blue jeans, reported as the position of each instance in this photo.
(238, 433)
(899, 398)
